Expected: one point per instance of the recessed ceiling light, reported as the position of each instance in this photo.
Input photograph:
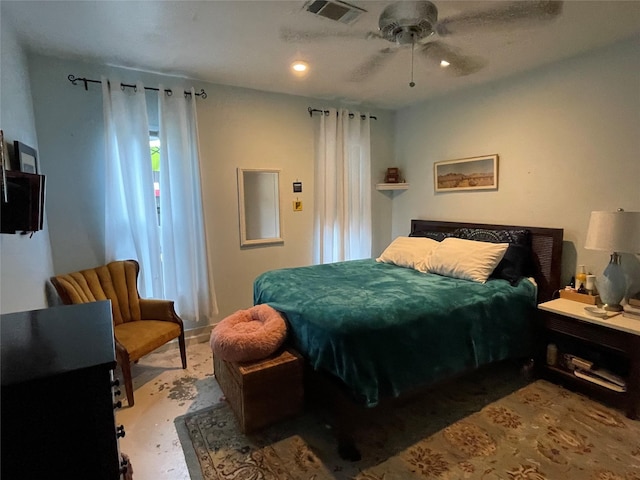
(444, 63)
(299, 67)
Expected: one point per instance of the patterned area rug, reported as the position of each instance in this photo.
(478, 427)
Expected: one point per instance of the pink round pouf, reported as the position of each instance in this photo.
(248, 335)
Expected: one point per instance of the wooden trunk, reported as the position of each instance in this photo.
(262, 392)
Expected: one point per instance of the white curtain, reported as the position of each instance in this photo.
(184, 253)
(172, 255)
(342, 211)
(131, 229)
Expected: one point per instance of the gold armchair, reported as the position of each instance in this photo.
(140, 325)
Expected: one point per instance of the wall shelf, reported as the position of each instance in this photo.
(392, 186)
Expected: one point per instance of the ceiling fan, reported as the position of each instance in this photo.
(415, 24)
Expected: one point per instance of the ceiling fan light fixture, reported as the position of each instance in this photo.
(406, 36)
(406, 22)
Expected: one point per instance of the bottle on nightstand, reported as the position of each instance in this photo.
(581, 278)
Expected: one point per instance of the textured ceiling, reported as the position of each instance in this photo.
(241, 43)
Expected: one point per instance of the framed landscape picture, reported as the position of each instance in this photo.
(474, 173)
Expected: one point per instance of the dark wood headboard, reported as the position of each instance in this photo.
(546, 245)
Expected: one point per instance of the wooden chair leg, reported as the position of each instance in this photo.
(183, 350)
(125, 365)
(128, 382)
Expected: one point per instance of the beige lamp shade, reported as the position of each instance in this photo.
(614, 232)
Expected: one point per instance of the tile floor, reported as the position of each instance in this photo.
(164, 391)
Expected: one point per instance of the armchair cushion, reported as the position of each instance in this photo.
(144, 336)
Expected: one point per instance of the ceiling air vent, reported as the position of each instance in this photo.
(335, 10)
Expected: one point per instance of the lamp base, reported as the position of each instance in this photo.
(612, 285)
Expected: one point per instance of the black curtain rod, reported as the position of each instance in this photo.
(73, 79)
(326, 112)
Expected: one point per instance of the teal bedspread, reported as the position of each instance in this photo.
(384, 330)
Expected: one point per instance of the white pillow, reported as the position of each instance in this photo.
(409, 252)
(466, 259)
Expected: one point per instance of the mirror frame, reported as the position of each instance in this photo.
(244, 241)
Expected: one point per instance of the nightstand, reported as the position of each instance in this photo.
(612, 342)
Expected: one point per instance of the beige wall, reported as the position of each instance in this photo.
(237, 128)
(249, 129)
(568, 137)
(25, 261)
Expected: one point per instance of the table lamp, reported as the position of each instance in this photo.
(615, 232)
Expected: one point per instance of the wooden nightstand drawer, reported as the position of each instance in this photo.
(607, 337)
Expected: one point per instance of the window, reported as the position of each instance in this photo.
(154, 146)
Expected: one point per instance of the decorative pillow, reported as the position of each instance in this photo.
(518, 237)
(438, 236)
(466, 259)
(409, 252)
(516, 262)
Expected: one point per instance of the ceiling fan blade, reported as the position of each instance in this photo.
(459, 64)
(372, 65)
(523, 13)
(291, 35)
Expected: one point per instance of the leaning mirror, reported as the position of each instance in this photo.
(259, 206)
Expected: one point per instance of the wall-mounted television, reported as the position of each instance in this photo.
(22, 202)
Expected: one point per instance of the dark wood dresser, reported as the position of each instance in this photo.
(57, 401)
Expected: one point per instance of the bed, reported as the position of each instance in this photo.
(383, 330)
(375, 332)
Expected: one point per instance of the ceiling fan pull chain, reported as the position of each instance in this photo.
(413, 46)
